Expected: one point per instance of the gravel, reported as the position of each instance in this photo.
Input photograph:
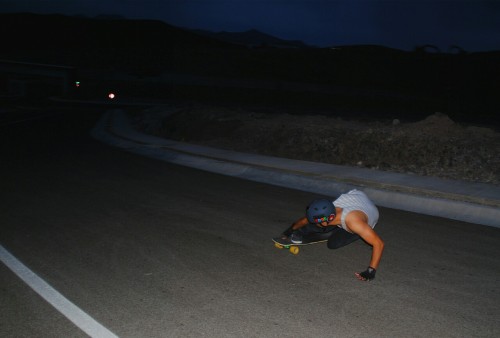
(435, 146)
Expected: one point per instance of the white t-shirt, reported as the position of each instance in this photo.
(357, 200)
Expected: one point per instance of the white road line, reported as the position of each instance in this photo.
(63, 305)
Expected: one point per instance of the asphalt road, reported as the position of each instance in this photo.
(150, 249)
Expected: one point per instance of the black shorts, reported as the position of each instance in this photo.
(337, 237)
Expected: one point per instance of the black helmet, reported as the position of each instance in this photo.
(321, 210)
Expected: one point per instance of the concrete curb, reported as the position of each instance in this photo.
(474, 203)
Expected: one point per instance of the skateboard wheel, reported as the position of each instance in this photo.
(294, 249)
(279, 246)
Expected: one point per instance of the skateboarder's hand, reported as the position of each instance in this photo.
(366, 275)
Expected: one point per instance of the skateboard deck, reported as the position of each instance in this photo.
(285, 243)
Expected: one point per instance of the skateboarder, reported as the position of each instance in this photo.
(350, 217)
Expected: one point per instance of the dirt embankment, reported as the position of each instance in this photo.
(435, 146)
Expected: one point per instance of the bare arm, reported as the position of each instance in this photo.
(357, 223)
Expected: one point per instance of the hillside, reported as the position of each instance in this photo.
(434, 146)
(84, 42)
(362, 80)
(252, 38)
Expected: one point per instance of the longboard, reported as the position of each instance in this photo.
(285, 243)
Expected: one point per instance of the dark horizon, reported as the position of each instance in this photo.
(471, 25)
(414, 84)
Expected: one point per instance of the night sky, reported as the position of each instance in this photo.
(404, 24)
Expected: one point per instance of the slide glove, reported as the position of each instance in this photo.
(367, 275)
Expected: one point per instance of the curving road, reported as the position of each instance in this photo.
(150, 249)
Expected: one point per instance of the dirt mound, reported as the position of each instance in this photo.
(435, 146)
